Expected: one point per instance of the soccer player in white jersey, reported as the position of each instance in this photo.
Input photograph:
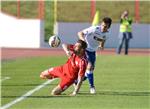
(95, 37)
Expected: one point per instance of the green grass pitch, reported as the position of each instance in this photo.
(122, 82)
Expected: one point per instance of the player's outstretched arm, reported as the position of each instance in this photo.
(77, 87)
(101, 46)
(66, 49)
(81, 35)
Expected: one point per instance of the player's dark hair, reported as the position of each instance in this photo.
(107, 20)
(83, 44)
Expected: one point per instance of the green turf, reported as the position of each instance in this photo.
(122, 82)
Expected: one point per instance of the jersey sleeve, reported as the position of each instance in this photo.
(89, 30)
(82, 68)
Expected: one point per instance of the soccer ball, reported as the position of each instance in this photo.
(54, 41)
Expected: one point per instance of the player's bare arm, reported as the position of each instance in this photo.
(66, 49)
(101, 45)
(81, 35)
(101, 42)
(77, 87)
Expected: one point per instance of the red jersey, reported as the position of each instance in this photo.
(75, 66)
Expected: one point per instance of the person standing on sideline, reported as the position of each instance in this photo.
(125, 33)
(95, 37)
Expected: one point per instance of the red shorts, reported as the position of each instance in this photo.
(57, 72)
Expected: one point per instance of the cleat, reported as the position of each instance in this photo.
(92, 90)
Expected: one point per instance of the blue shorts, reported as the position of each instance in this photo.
(91, 57)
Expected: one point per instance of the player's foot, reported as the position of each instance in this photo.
(92, 90)
(74, 85)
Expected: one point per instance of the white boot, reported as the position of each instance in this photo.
(92, 90)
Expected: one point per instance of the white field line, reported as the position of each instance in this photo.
(5, 78)
(26, 95)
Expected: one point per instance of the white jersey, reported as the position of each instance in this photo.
(92, 34)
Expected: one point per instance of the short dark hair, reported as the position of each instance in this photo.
(83, 43)
(107, 20)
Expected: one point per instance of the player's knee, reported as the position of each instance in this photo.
(55, 92)
(90, 67)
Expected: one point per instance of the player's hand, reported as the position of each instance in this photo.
(73, 93)
(101, 47)
(68, 54)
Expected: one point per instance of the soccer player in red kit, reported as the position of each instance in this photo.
(73, 69)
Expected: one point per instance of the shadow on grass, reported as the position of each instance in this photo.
(117, 93)
(87, 94)
(20, 85)
(57, 96)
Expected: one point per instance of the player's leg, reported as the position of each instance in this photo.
(63, 85)
(91, 56)
(51, 73)
(57, 90)
(56, 72)
(45, 74)
(90, 76)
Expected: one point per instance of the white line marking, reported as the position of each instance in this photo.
(5, 78)
(26, 94)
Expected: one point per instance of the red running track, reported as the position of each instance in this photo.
(13, 53)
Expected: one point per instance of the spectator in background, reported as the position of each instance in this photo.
(125, 33)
